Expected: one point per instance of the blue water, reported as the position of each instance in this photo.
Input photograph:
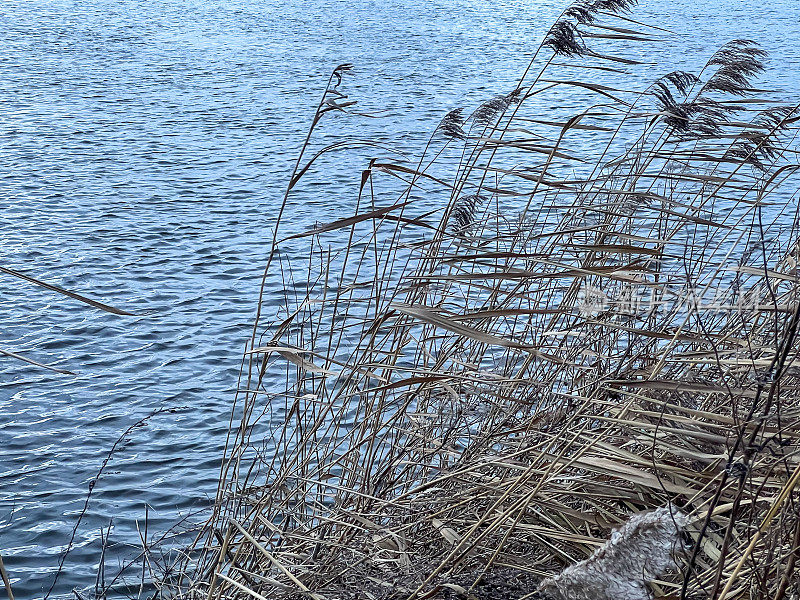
(144, 149)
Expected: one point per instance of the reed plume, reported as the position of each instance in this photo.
(451, 125)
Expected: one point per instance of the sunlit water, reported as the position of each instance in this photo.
(144, 149)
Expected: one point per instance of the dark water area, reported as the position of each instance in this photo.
(144, 151)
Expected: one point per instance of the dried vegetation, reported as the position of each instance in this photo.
(555, 328)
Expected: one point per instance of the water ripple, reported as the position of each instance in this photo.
(143, 153)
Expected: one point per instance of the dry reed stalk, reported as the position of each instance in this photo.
(6, 580)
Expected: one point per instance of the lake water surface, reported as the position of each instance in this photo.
(144, 149)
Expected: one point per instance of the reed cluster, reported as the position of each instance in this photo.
(555, 332)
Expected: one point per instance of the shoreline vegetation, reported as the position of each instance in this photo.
(555, 358)
(540, 333)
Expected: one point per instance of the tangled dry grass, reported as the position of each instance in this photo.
(553, 328)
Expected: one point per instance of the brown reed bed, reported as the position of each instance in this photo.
(555, 327)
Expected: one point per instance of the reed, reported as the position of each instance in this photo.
(550, 331)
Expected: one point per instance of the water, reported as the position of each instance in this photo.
(144, 148)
